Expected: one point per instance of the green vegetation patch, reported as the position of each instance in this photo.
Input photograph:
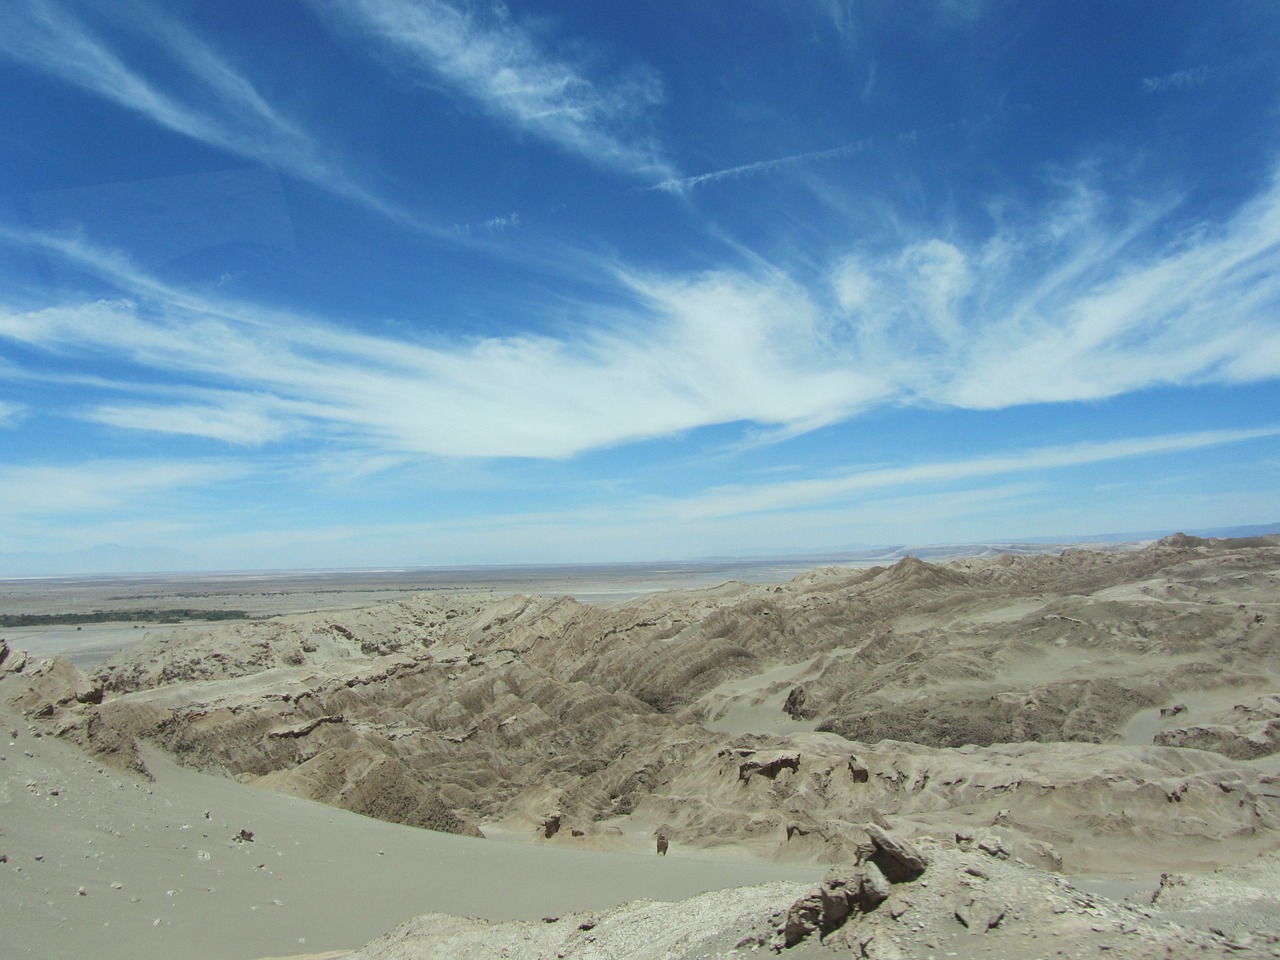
(117, 616)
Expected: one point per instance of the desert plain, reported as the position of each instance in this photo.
(1071, 752)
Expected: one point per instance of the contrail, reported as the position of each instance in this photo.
(679, 184)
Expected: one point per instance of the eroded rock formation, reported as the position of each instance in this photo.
(995, 692)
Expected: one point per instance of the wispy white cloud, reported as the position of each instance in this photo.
(241, 420)
(494, 225)
(99, 485)
(711, 349)
(1079, 304)
(682, 184)
(983, 497)
(9, 413)
(485, 56)
(1082, 303)
(221, 108)
(791, 495)
(1177, 80)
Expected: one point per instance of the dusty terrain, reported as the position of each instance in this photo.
(1048, 728)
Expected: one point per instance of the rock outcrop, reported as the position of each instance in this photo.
(967, 903)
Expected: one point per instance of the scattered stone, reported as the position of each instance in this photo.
(244, 836)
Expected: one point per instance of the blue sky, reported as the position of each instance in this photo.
(332, 283)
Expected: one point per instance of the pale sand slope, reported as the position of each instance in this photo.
(314, 879)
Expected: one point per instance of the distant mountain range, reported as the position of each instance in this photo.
(110, 558)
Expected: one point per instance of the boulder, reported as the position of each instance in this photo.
(840, 896)
(899, 860)
(768, 765)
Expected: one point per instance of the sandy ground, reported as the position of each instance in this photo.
(93, 642)
(162, 880)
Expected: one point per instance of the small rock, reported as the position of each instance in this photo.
(979, 916)
(994, 846)
(81, 892)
